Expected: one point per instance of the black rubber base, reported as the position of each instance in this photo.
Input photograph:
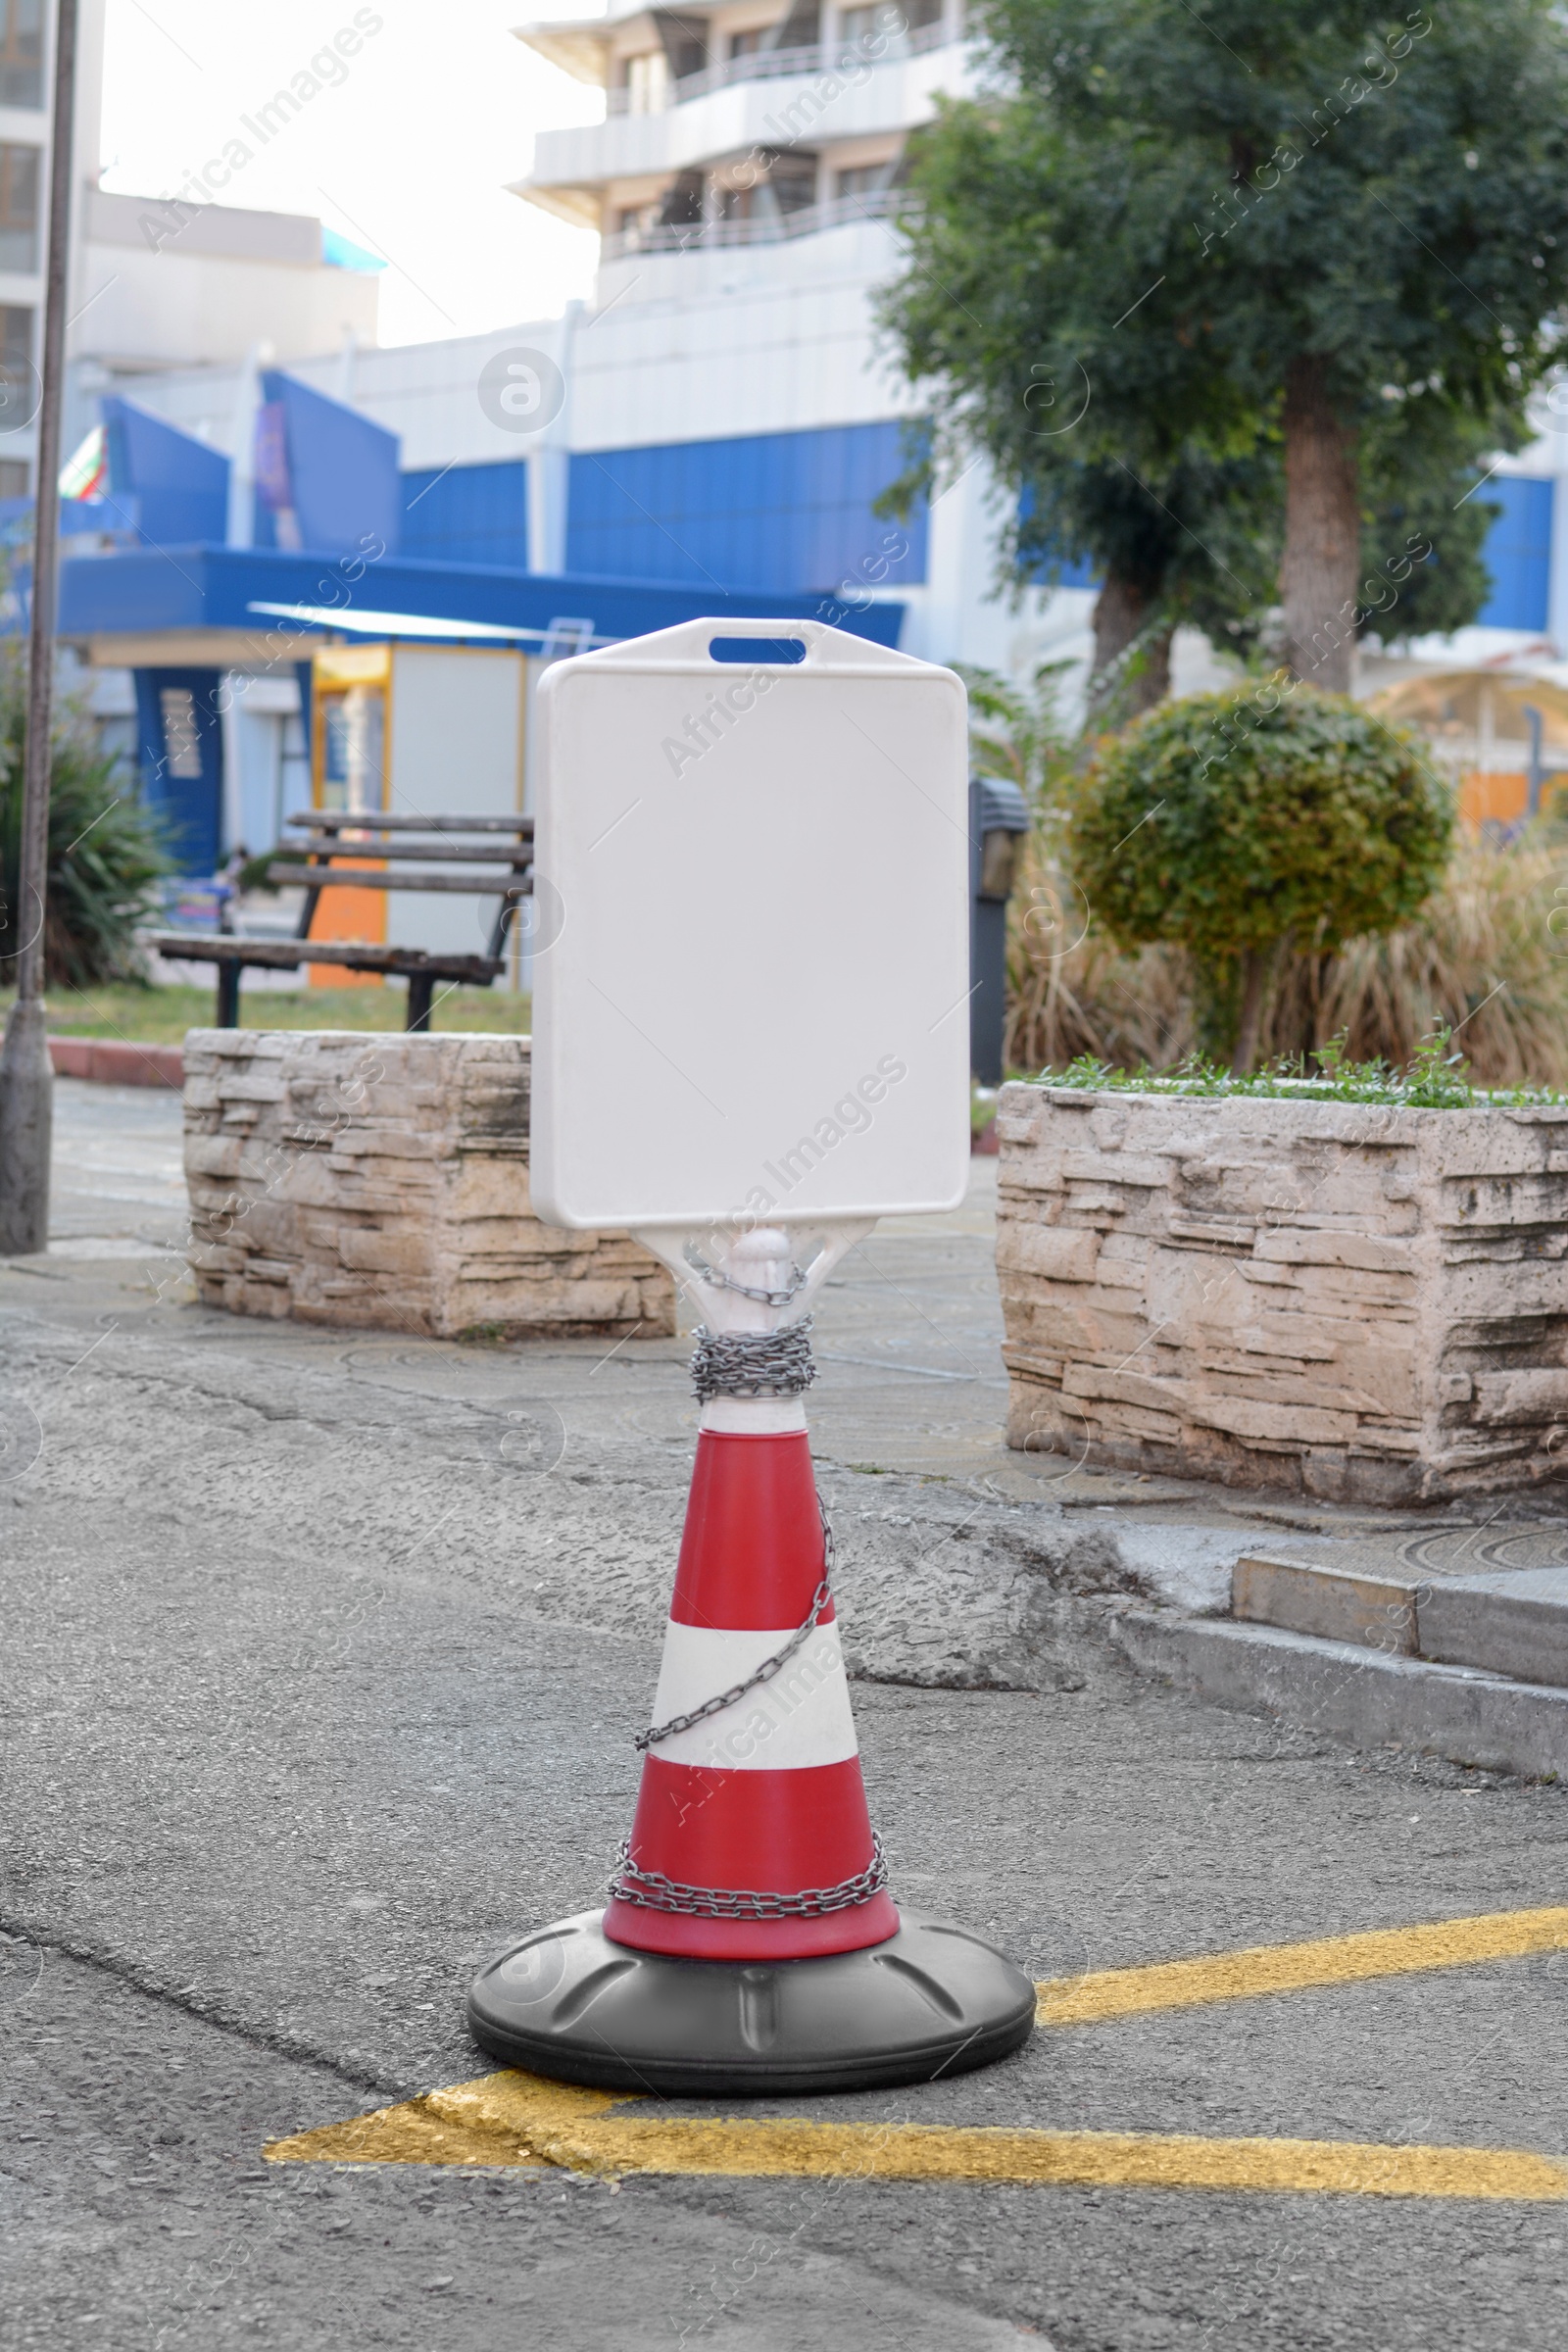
(566, 2003)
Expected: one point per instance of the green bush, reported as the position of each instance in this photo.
(1239, 826)
(105, 858)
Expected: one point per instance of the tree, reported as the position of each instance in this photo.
(104, 858)
(1193, 550)
(1207, 234)
(1238, 825)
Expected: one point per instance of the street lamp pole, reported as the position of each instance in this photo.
(26, 1077)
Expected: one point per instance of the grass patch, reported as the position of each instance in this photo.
(1434, 1080)
(161, 1016)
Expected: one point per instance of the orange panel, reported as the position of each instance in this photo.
(1499, 795)
(358, 915)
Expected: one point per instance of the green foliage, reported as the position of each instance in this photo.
(1419, 497)
(105, 858)
(1391, 195)
(1117, 257)
(1434, 1079)
(1234, 824)
(1478, 960)
(1016, 732)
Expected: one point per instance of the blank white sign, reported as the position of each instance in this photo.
(751, 978)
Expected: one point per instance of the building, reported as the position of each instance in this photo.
(730, 414)
(717, 428)
(155, 282)
(26, 98)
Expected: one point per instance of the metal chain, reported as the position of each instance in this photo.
(651, 1890)
(769, 1666)
(743, 1290)
(753, 1363)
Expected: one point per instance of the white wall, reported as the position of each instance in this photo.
(752, 339)
(177, 307)
(455, 748)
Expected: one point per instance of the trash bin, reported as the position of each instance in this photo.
(998, 814)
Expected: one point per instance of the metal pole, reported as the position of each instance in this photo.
(26, 1077)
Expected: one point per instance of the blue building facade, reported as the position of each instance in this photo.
(781, 510)
(1518, 552)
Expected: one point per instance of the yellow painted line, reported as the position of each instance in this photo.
(520, 2120)
(516, 2118)
(1092, 1999)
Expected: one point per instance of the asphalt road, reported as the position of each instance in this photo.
(324, 1655)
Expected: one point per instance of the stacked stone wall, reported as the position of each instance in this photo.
(382, 1181)
(1354, 1302)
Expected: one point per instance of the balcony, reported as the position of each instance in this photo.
(706, 237)
(737, 109)
(767, 65)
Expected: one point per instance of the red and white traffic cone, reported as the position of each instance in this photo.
(750, 1942)
(752, 1839)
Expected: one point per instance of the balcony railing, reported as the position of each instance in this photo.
(767, 65)
(704, 236)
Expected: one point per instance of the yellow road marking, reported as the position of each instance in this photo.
(1111, 1992)
(516, 2118)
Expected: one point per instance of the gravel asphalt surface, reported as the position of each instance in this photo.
(324, 1656)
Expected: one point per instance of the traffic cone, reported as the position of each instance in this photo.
(749, 1943)
(752, 1839)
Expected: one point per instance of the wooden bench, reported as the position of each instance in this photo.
(409, 850)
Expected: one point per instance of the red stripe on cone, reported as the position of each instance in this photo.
(751, 1560)
(752, 1551)
(778, 1831)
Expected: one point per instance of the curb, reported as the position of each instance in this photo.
(115, 1061)
(1359, 1696)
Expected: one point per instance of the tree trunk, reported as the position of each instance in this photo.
(1252, 1020)
(1121, 611)
(1319, 577)
(1261, 973)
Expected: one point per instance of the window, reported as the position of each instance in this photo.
(876, 31)
(183, 742)
(682, 207)
(14, 482)
(685, 40)
(294, 769)
(353, 722)
(647, 83)
(18, 208)
(792, 180)
(21, 52)
(863, 179)
(801, 29)
(747, 45)
(16, 336)
(119, 741)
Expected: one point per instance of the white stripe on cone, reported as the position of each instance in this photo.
(753, 1416)
(801, 1718)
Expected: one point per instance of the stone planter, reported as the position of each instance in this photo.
(382, 1181)
(1355, 1302)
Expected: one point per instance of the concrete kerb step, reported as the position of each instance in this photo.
(1449, 1642)
(1362, 1697)
(117, 1061)
(1501, 1620)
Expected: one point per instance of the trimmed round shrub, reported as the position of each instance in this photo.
(1237, 825)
